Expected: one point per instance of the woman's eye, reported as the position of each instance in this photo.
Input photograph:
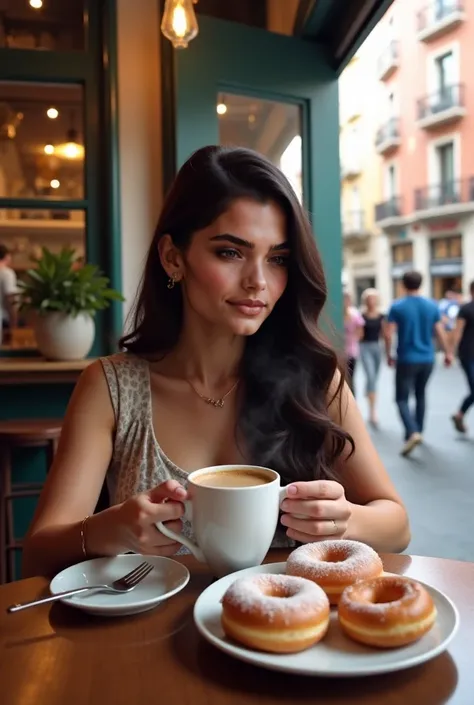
(228, 253)
(280, 260)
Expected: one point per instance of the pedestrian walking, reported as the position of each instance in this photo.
(464, 344)
(370, 348)
(416, 320)
(353, 330)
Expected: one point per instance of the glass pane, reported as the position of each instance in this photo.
(269, 127)
(42, 24)
(41, 141)
(24, 233)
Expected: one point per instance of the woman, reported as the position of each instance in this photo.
(224, 364)
(353, 331)
(370, 350)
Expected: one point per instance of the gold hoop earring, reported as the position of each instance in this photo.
(172, 280)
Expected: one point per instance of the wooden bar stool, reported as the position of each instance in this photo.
(23, 433)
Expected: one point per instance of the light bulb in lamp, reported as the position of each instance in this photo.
(48, 149)
(221, 108)
(179, 23)
(36, 4)
(55, 183)
(71, 149)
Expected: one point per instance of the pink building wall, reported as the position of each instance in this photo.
(410, 82)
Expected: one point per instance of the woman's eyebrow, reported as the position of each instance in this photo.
(227, 237)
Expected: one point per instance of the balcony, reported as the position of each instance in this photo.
(350, 168)
(438, 18)
(388, 137)
(353, 224)
(445, 199)
(388, 61)
(388, 214)
(440, 108)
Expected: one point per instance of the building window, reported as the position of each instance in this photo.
(446, 265)
(446, 248)
(402, 253)
(445, 71)
(445, 158)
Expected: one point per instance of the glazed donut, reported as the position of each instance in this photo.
(277, 613)
(334, 564)
(386, 612)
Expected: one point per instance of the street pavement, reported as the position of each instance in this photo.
(437, 481)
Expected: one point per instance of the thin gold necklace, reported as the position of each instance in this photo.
(218, 403)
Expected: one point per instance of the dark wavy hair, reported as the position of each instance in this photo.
(288, 367)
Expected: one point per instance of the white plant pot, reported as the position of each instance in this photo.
(60, 336)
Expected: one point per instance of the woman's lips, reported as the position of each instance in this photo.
(248, 307)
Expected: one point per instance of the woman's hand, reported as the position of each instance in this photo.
(138, 515)
(315, 510)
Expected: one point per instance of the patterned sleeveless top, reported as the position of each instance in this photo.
(138, 462)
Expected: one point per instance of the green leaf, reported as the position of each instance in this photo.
(57, 284)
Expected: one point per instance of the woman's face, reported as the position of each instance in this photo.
(371, 302)
(236, 269)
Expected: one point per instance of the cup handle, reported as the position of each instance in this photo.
(190, 545)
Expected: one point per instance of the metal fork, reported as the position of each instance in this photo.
(123, 584)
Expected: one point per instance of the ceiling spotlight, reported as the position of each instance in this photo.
(55, 183)
(48, 149)
(36, 4)
(52, 113)
(221, 108)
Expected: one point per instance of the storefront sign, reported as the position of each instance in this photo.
(446, 269)
(398, 270)
(443, 226)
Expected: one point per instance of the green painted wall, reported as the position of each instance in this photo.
(234, 58)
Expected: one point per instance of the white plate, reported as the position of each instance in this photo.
(336, 654)
(167, 578)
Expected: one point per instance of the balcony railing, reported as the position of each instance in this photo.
(388, 135)
(438, 14)
(353, 223)
(442, 100)
(388, 60)
(451, 192)
(388, 209)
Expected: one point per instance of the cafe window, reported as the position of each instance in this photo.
(42, 154)
(402, 252)
(446, 248)
(54, 25)
(58, 143)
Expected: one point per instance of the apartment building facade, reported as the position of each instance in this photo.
(359, 93)
(425, 140)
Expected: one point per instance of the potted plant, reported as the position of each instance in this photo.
(62, 296)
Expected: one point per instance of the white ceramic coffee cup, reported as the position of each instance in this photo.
(234, 526)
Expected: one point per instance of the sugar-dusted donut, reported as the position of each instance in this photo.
(277, 613)
(334, 564)
(386, 612)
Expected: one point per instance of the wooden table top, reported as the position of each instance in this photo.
(27, 370)
(56, 655)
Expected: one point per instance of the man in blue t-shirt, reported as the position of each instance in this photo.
(416, 320)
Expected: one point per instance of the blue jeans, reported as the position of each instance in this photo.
(412, 378)
(371, 356)
(468, 367)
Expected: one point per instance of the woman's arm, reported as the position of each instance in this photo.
(73, 486)
(74, 481)
(378, 515)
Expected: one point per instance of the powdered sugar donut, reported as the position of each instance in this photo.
(278, 613)
(386, 612)
(335, 564)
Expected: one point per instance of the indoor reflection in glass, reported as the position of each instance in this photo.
(269, 127)
(41, 141)
(57, 25)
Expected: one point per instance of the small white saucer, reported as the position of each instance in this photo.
(166, 579)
